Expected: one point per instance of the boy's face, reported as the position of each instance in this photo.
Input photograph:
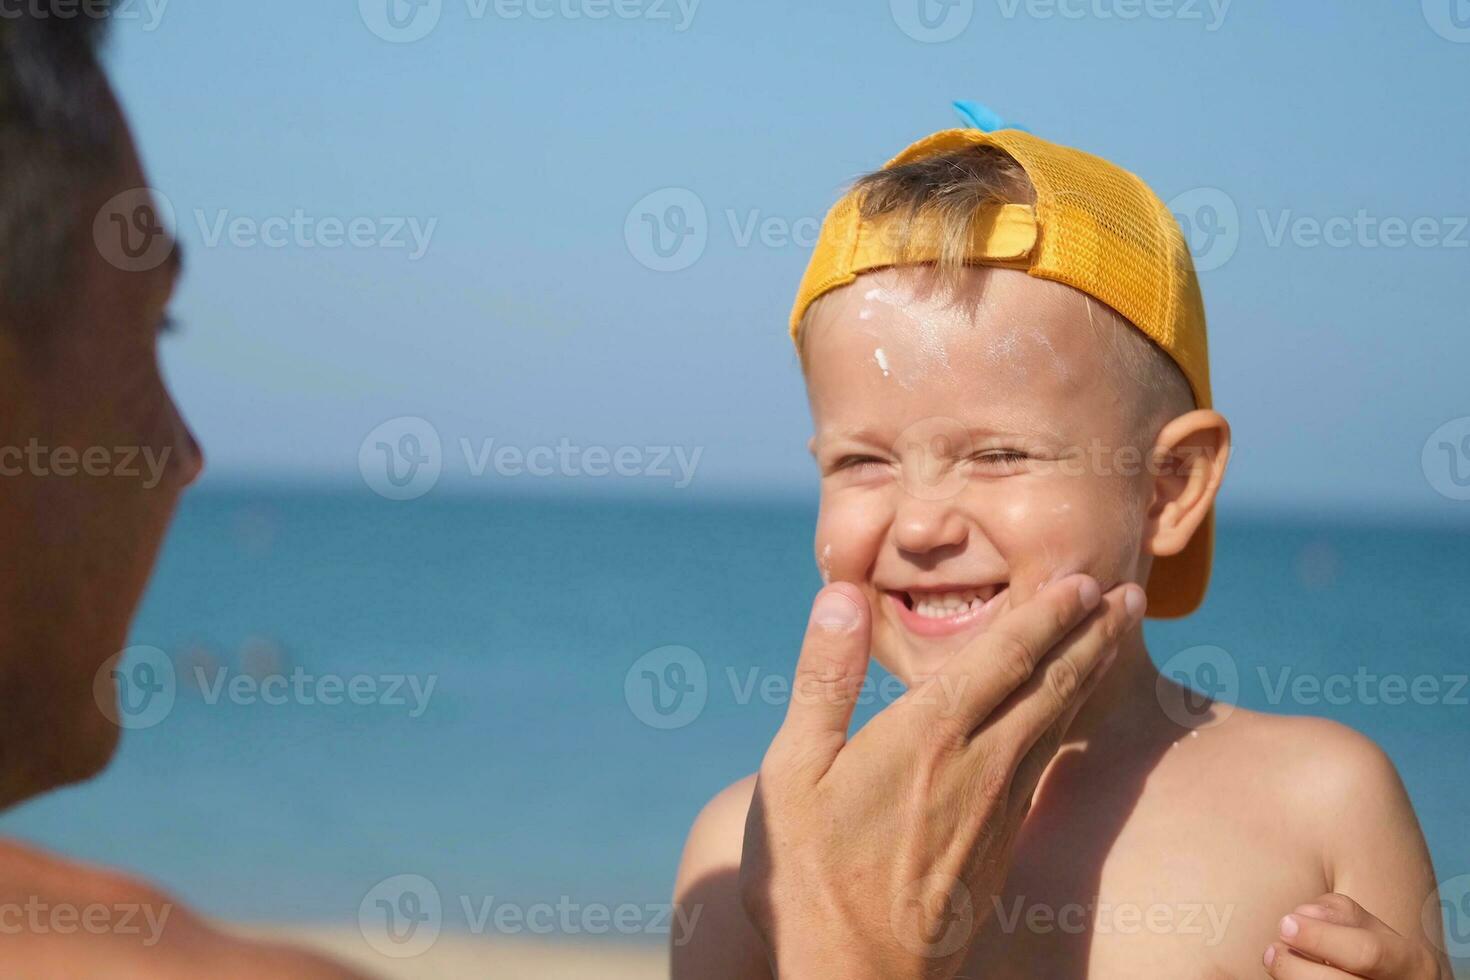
(968, 446)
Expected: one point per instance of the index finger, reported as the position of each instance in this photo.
(992, 666)
(1359, 950)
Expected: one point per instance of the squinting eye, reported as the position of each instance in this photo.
(857, 462)
(1001, 457)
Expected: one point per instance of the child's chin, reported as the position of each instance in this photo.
(912, 662)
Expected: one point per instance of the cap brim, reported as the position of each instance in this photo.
(1177, 583)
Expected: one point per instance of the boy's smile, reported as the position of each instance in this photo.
(950, 436)
(942, 610)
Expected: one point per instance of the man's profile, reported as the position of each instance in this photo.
(87, 274)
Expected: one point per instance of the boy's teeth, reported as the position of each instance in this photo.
(940, 605)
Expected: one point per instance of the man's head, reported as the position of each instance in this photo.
(93, 452)
(980, 429)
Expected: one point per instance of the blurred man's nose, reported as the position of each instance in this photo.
(188, 454)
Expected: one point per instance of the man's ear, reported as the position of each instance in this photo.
(1189, 455)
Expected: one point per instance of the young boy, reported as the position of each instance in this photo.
(1004, 348)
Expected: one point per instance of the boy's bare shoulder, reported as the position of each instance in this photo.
(1316, 758)
(1299, 762)
(717, 838)
(1337, 793)
(709, 880)
(1302, 768)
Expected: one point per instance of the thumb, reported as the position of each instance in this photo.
(829, 675)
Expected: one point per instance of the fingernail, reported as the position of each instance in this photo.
(1270, 956)
(1088, 592)
(1289, 928)
(1134, 601)
(835, 612)
(1313, 911)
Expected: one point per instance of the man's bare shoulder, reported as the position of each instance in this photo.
(63, 918)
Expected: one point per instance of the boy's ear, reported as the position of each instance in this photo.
(1190, 456)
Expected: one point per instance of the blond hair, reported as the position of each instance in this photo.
(948, 189)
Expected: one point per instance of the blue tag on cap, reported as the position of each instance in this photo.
(976, 115)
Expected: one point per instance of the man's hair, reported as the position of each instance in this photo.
(58, 137)
(949, 189)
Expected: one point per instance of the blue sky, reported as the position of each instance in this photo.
(520, 136)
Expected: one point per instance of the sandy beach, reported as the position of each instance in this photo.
(464, 957)
(455, 957)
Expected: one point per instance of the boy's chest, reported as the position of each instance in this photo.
(1161, 889)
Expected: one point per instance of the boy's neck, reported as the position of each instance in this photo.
(1126, 700)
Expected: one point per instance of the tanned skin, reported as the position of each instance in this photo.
(80, 370)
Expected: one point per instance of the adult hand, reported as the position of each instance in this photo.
(878, 857)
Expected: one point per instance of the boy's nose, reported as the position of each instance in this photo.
(924, 526)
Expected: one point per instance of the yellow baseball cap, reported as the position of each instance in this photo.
(1095, 227)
